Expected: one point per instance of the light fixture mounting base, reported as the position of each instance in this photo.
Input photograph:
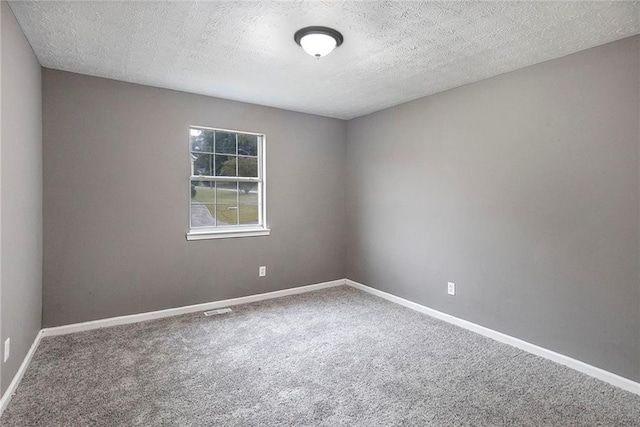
(318, 30)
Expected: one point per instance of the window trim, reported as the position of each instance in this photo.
(206, 235)
(240, 230)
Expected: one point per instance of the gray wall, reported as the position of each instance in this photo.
(21, 181)
(116, 170)
(522, 189)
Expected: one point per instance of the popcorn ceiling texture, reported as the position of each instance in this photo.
(393, 51)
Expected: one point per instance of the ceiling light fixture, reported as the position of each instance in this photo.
(318, 41)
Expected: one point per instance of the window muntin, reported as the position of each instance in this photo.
(227, 180)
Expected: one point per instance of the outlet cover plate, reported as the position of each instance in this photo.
(451, 288)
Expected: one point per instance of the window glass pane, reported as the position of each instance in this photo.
(227, 202)
(248, 167)
(202, 164)
(247, 145)
(225, 143)
(226, 165)
(203, 191)
(248, 192)
(248, 211)
(201, 140)
(202, 204)
(226, 155)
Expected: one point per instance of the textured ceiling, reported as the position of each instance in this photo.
(393, 51)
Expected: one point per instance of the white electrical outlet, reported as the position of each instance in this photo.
(262, 271)
(451, 288)
(7, 349)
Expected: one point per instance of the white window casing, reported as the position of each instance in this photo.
(217, 209)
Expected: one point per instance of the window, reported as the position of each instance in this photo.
(227, 184)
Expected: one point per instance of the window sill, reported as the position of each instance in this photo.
(227, 234)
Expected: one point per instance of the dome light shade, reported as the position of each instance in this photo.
(318, 41)
(318, 44)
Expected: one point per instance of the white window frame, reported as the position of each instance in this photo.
(223, 232)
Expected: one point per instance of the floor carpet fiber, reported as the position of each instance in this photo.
(336, 357)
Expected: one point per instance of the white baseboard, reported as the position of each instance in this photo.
(8, 394)
(601, 374)
(151, 315)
